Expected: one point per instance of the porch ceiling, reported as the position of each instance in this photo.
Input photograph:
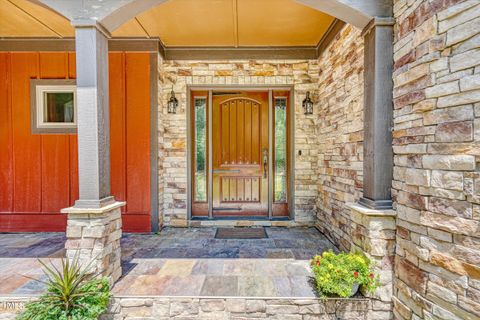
(187, 23)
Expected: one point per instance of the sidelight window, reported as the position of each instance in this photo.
(280, 150)
(200, 183)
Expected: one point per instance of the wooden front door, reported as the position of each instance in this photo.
(238, 167)
(240, 154)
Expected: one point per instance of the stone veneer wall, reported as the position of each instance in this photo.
(436, 144)
(173, 133)
(210, 308)
(339, 131)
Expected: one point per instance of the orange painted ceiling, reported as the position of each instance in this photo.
(179, 23)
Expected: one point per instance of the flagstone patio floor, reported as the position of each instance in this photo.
(181, 262)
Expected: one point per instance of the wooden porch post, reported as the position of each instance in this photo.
(378, 152)
(94, 223)
(91, 45)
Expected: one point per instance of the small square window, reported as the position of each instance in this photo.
(53, 106)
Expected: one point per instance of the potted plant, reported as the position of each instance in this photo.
(340, 275)
(71, 294)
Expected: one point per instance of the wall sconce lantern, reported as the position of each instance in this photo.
(172, 103)
(307, 104)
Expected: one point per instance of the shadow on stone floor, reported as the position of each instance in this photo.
(32, 245)
(200, 243)
(180, 243)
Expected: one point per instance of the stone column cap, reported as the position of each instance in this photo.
(378, 22)
(370, 212)
(109, 207)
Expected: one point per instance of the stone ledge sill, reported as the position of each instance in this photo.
(109, 207)
(317, 299)
(370, 212)
(28, 297)
(154, 307)
(246, 223)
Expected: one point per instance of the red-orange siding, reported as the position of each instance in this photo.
(39, 174)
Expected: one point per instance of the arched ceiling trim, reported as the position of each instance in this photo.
(114, 13)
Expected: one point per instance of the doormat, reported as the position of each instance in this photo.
(241, 233)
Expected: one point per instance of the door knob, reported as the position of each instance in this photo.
(265, 162)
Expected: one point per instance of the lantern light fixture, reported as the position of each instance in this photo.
(307, 104)
(172, 103)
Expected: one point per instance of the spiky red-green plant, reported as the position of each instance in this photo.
(71, 294)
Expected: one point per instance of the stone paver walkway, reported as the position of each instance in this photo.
(191, 262)
(18, 260)
(182, 262)
(175, 243)
(216, 278)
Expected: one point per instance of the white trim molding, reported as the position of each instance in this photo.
(38, 88)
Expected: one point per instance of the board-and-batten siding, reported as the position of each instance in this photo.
(39, 173)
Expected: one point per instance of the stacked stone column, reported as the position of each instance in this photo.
(93, 237)
(373, 233)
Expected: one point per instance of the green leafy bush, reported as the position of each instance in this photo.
(70, 295)
(336, 275)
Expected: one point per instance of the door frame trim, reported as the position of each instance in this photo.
(291, 148)
(210, 157)
(154, 214)
(270, 150)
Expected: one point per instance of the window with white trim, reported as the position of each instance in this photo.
(54, 108)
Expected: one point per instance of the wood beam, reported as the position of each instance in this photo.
(179, 53)
(329, 36)
(241, 53)
(68, 44)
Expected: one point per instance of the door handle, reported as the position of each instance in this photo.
(265, 162)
